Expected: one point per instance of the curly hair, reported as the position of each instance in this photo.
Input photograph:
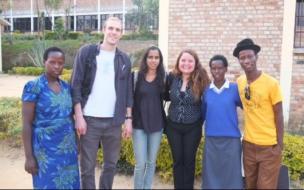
(199, 78)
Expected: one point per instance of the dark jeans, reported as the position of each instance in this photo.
(99, 131)
(184, 140)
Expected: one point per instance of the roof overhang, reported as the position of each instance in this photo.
(4, 22)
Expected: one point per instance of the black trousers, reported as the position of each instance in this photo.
(184, 140)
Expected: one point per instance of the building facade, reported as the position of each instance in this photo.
(79, 15)
(3, 23)
(214, 27)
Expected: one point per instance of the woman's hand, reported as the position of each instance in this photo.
(31, 165)
(127, 130)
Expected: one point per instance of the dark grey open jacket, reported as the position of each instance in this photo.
(83, 76)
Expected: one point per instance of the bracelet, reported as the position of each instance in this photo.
(128, 117)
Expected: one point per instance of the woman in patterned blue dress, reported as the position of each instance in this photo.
(48, 130)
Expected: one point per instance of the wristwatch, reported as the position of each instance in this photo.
(128, 117)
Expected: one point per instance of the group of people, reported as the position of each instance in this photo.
(104, 95)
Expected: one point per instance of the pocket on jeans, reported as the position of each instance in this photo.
(276, 150)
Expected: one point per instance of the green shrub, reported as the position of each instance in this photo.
(293, 155)
(37, 51)
(85, 38)
(50, 35)
(164, 162)
(17, 36)
(143, 35)
(35, 71)
(136, 58)
(15, 55)
(74, 35)
(10, 119)
(59, 28)
(10, 128)
(97, 36)
(24, 36)
(66, 75)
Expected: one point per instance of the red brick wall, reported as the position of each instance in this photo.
(296, 115)
(215, 26)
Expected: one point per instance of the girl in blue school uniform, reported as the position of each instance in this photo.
(222, 151)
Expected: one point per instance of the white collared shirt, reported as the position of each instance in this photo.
(216, 90)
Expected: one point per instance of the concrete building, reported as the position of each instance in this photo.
(80, 15)
(215, 26)
(3, 23)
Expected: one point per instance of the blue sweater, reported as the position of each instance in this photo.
(220, 112)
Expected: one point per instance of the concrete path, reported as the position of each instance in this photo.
(12, 85)
(13, 176)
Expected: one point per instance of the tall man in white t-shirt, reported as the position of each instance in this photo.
(102, 97)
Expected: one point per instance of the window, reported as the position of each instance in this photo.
(22, 24)
(299, 25)
(47, 23)
(87, 22)
(71, 23)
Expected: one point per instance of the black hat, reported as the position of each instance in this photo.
(245, 44)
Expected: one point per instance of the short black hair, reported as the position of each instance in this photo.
(219, 57)
(49, 50)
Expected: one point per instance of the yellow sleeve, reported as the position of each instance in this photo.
(275, 94)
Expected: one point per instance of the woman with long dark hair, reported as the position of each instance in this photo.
(184, 124)
(148, 116)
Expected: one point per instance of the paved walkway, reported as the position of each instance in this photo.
(12, 160)
(12, 85)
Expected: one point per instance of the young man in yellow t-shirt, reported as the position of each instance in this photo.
(263, 113)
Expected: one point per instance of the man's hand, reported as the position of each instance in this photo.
(127, 130)
(31, 166)
(281, 145)
(80, 125)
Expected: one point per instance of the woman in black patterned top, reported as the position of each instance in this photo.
(184, 127)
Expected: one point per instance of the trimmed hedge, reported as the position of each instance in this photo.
(16, 54)
(10, 119)
(293, 157)
(10, 128)
(71, 35)
(35, 71)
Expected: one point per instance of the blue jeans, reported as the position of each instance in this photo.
(145, 147)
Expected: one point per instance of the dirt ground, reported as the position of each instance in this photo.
(12, 174)
(12, 85)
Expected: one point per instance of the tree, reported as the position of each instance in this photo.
(144, 14)
(67, 20)
(4, 6)
(50, 6)
(59, 28)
